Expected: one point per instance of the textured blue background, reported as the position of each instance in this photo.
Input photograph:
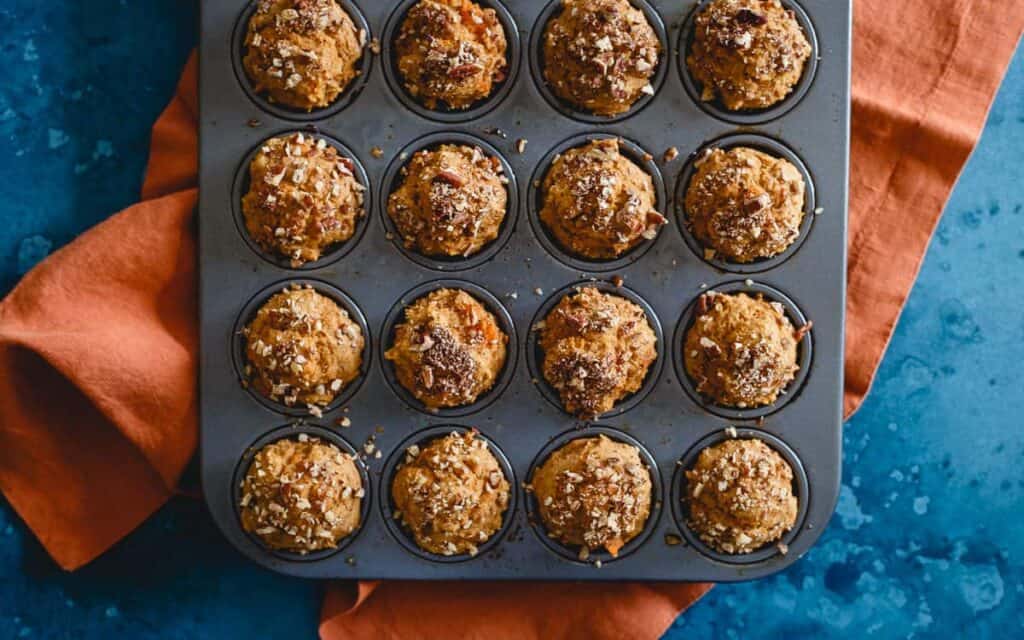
(926, 539)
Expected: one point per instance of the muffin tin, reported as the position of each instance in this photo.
(524, 272)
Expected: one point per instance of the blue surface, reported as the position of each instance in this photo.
(925, 542)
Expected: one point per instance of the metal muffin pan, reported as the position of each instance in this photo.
(374, 123)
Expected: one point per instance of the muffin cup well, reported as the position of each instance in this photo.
(346, 98)
(491, 303)
(238, 343)
(387, 504)
(571, 111)
(535, 202)
(760, 143)
(293, 431)
(715, 107)
(535, 356)
(240, 186)
(393, 179)
(443, 114)
(679, 496)
(573, 553)
(804, 352)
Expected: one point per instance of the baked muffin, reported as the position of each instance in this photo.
(301, 494)
(598, 203)
(598, 348)
(745, 205)
(451, 202)
(302, 349)
(450, 53)
(593, 493)
(302, 53)
(303, 198)
(740, 496)
(449, 350)
(741, 351)
(451, 494)
(599, 55)
(747, 53)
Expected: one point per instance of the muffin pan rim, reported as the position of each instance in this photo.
(348, 96)
(289, 431)
(801, 486)
(490, 302)
(753, 117)
(759, 142)
(237, 344)
(564, 551)
(405, 537)
(535, 202)
(448, 116)
(535, 52)
(392, 178)
(333, 253)
(805, 351)
(534, 356)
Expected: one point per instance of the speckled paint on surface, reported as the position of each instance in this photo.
(925, 541)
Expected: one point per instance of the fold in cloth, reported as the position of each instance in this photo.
(98, 343)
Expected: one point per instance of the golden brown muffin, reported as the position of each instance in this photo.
(747, 53)
(449, 350)
(745, 205)
(302, 53)
(593, 493)
(452, 201)
(303, 198)
(597, 349)
(741, 496)
(450, 52)
(599, 55)
(301, 495)
(451, 494)
(741, 351)
(598, 203)
(302, 348)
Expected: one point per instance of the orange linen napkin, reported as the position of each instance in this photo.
(98, 343)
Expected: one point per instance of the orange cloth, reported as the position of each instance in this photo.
(98, 343)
